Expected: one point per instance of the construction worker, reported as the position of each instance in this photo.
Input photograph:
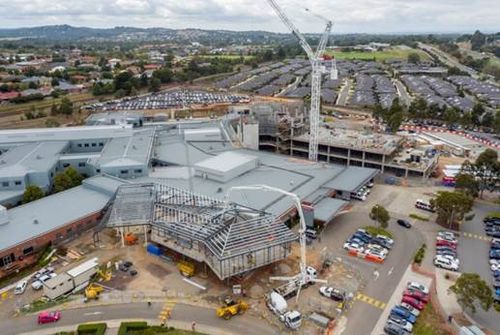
(193, 326)
(149, 302)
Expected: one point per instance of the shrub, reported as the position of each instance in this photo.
(418, 217)
(125, 327)
(419, 255)
(91, 329)
(374, 230)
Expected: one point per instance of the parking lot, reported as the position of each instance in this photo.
(473, 252)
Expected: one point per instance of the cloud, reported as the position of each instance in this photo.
(349, 16)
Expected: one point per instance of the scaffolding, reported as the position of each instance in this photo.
(231, 240)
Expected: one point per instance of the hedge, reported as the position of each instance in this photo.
(91, 329)
(418, 217)
(125, 327)
(373, 230)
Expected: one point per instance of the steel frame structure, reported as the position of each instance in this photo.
(231, 239)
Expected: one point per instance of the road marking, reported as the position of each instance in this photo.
(370, 300)
(477, 236)
(167, 310)
(390, 271)
(93, 313)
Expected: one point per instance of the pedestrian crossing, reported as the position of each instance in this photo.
(370, 300)
(166, 310)
(477, 236)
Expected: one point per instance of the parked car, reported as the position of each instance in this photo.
(404, 313)
(494, 254)
(412, 285)
(446, 233)
(417, 294)
(388, 240)
(21, 287)
(410, 308)
(311, 233)
(401, 322)
(332, 293)
(382, 242)
(445, 263)
(391, 328)
(38, 284)
(43, 271)
(353, 247)
(48, 317)
(415, 303)
(404, 223)
(446, 244)
(377, 248)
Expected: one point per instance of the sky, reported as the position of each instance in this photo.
(349, 16)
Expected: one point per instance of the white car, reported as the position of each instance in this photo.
(376, 253)
(44, 271)
(495, 267)
(413, 285)
(402, 323)
(447, 238)
(450, 258)
(445, 263)
(494, 261)
(358, 196)
(21, 287)
(38, 284)
(447, 234)
(377, 248)
(353, 246)
(411, 309)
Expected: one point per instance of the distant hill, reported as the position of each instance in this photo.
(70, 33)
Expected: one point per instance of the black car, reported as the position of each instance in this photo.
(445, 248)
(404, 223)
(493, 233)
(447, 253)
(392, 329)
(133, 272)
(492, 220)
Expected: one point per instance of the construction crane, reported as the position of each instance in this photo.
(318, 69)
(304, 276)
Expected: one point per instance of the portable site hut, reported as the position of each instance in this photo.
(82, 273)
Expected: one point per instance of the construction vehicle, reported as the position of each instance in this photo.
(130, 239)
(186, 268)
(92, 292)
(105, 275)
(277, 304)
(231, 308)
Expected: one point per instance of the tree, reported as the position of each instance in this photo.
(451, 206)
(414, 58)
(469, 289)
(67, 179)
(381, 215)
(477, 40)
(486, 170)
(66, 106)
(32, 193)
(467, 183)
(75, 176)
(155, 85)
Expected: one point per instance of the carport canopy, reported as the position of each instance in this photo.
(328, 208)
(351, 179)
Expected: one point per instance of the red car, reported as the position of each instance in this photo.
(443, 243)
(413, 302)
(417, 295)
(48, 317)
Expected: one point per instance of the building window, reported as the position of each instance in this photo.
(138, 171)
(86, 145)
(81, 164)
(6, 260)
(65, 165)
(94, 144)
(28, 251)
(79, 145)
(51, 174)
(124, 171)
(98, 170)
(18, 182)
(5, 183)
(101, 144)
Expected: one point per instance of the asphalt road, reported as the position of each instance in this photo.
(447, 59)
(242, 324)
(344, 93)
(403, 94)
(363, 317)
(473, 254)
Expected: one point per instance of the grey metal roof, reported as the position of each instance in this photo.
(127, 151)
(32, 157)
(352, 179)
(44, 215)
(328, 208)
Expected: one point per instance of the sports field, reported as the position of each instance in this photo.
(393, 53)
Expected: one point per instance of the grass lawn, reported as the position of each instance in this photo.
(374, 230)
(429, 323)
(393, 53)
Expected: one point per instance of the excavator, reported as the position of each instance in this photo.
(231, 308)
(92, 291)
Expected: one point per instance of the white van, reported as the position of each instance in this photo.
(21, 287)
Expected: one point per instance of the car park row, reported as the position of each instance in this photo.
(492, 227)
(372, 248)
(403, 316)
(446, 251)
